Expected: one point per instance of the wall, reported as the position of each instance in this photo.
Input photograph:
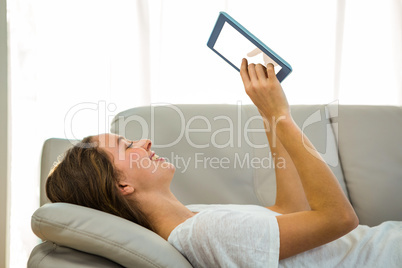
(4, 139)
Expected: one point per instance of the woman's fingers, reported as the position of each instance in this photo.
(255, 72)
(271, 70)
(252, 73)
(244, 73)
(261, 72)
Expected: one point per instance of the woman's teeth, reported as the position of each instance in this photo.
(154, 157)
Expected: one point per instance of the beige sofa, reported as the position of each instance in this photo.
(222, 156)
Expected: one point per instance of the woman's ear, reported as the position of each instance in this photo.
(126, 189)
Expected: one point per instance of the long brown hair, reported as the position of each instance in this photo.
(86, 176)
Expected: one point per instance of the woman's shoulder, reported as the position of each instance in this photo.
(214, 219)
(227, 232)
(231, 208)
(218, 218)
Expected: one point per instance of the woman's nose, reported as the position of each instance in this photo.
(146, 144)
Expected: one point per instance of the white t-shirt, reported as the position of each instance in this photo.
(366, 247)
(223, 236)
(248, 236)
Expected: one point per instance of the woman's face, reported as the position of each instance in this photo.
(140, 167)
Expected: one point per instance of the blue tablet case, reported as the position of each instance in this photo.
(224, 18)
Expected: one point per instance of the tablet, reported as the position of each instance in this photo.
(232, 42)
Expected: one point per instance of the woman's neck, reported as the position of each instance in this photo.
(165, 212)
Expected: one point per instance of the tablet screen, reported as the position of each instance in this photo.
(234, 47)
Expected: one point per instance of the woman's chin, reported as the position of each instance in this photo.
(168, 166)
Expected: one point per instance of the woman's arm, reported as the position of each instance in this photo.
(331, 214)
(290, 196)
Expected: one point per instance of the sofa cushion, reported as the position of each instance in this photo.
(98, 233)
(370, 147)
(51, 255)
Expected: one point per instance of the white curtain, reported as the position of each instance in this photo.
(75, 64)
(371, 64)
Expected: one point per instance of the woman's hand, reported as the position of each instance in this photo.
(264, 90)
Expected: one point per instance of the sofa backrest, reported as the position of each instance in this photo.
(370, 147)
(369, 166)
(221, 152)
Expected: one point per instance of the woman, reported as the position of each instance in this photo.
(127, 179)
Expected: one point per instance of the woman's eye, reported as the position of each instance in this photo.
(130, 145)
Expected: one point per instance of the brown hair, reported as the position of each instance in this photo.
(86, 176)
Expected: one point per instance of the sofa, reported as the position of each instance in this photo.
(221, 155)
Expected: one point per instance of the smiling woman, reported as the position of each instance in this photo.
(139, 166)
(109, 173)
(129, 52)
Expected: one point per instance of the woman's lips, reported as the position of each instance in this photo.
(155, 157)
